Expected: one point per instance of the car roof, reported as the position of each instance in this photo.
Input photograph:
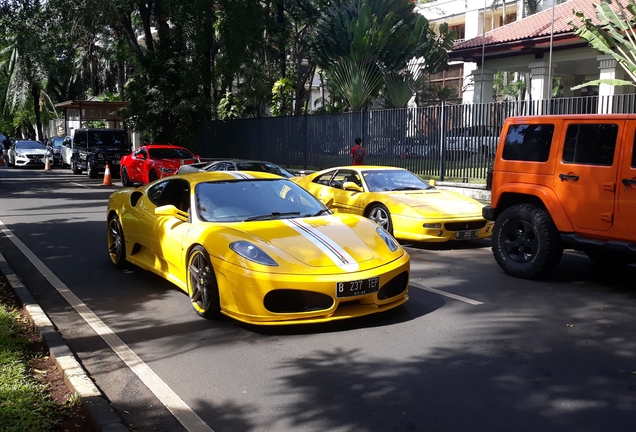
(211, 176)
(155, 146)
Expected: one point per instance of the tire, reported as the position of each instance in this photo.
(125, 181)
(526, 243)
(152, 176)
(74, 167)
(116, 242)
(379, 214)
(609, 259)
(202, 287)
(90, 170)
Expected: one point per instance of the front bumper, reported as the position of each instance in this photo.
(243, 293)
(406, 228)
(32, 160)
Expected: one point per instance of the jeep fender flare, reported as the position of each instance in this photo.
(513, 193)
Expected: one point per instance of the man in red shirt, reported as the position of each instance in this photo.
(358, 152)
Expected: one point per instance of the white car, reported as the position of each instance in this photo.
(467, 141)
(25, 153)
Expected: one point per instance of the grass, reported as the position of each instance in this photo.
(24, 403)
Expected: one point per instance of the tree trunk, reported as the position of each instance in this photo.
(35, 93)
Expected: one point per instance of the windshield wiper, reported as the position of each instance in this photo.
(270, 216)
(406, 188)
(321, 212)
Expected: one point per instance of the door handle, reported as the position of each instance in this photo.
(629, 182)
(568, 177)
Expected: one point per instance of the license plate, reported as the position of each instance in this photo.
(357, 287)
(466, 235)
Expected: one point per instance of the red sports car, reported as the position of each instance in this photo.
(154, 161)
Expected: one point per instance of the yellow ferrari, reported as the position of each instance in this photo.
(400, 202)
(257, 247)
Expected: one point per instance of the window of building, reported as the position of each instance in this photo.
(451, 77)
(461, 31)
(509, 18)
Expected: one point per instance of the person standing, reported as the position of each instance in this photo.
(358, 152)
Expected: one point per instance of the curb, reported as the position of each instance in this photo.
(102, 414)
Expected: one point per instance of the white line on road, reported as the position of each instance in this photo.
(188, 418)
(446, 294)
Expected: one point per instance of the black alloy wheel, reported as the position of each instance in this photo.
(202, 286)
(526, 243)
(116, 242)
(125, 181)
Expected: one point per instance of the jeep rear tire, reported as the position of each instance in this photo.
(526, 243)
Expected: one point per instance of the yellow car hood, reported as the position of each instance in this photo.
(346, 242)
(439, 203)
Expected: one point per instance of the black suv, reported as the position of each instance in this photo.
(92, 149)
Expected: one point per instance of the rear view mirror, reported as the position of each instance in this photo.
(351, 186)
(170, 210)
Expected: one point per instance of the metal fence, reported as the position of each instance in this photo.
(447, 142)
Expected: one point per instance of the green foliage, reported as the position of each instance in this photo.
(230, 107)
(360, 42)
(24, 405)
(506, 89)
(282, 93)
(615, 35)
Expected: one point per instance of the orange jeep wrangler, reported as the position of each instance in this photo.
(566, 181)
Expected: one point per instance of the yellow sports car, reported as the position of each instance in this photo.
(400, 202)
(257, 247)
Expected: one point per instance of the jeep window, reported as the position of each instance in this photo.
(590, 144)
(634, 154)
(107, 138)
(528, 142)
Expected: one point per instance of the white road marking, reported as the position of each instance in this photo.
(446, 294)
(186, 416)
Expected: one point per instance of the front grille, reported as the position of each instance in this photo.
(459, 226)
(289, 300)
(394, 287)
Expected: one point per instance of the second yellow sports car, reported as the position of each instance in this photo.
(257, 247)
(400, 202)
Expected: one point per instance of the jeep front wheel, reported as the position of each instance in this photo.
(526, 243)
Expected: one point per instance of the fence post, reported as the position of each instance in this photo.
(442, 142)
(306, 149)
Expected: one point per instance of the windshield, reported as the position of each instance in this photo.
(107, 139)
(258, 199)
(171, 153)
(391, 180)
(263, 167)
(57, 141)
(30, 145)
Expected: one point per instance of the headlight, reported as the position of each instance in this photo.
(253, 253)
(100, 155)
(166, 170)
(388, 239)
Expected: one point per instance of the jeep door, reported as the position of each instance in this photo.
(627, 179)
(585, 178)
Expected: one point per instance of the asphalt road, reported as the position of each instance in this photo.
(472, 350)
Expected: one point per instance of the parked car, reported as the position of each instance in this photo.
(56, 145)
(240, 165)
(93, 149)
(400, 202)
(27, 153)
(566, 181)
(466, 141)
(238, 246)
(154, 161)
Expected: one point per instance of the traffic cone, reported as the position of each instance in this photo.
(108, 181)
(47, 165)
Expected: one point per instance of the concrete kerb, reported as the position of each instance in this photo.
(76, 378)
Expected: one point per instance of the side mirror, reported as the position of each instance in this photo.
(351, 186)
(170, 210)
(140, 156)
